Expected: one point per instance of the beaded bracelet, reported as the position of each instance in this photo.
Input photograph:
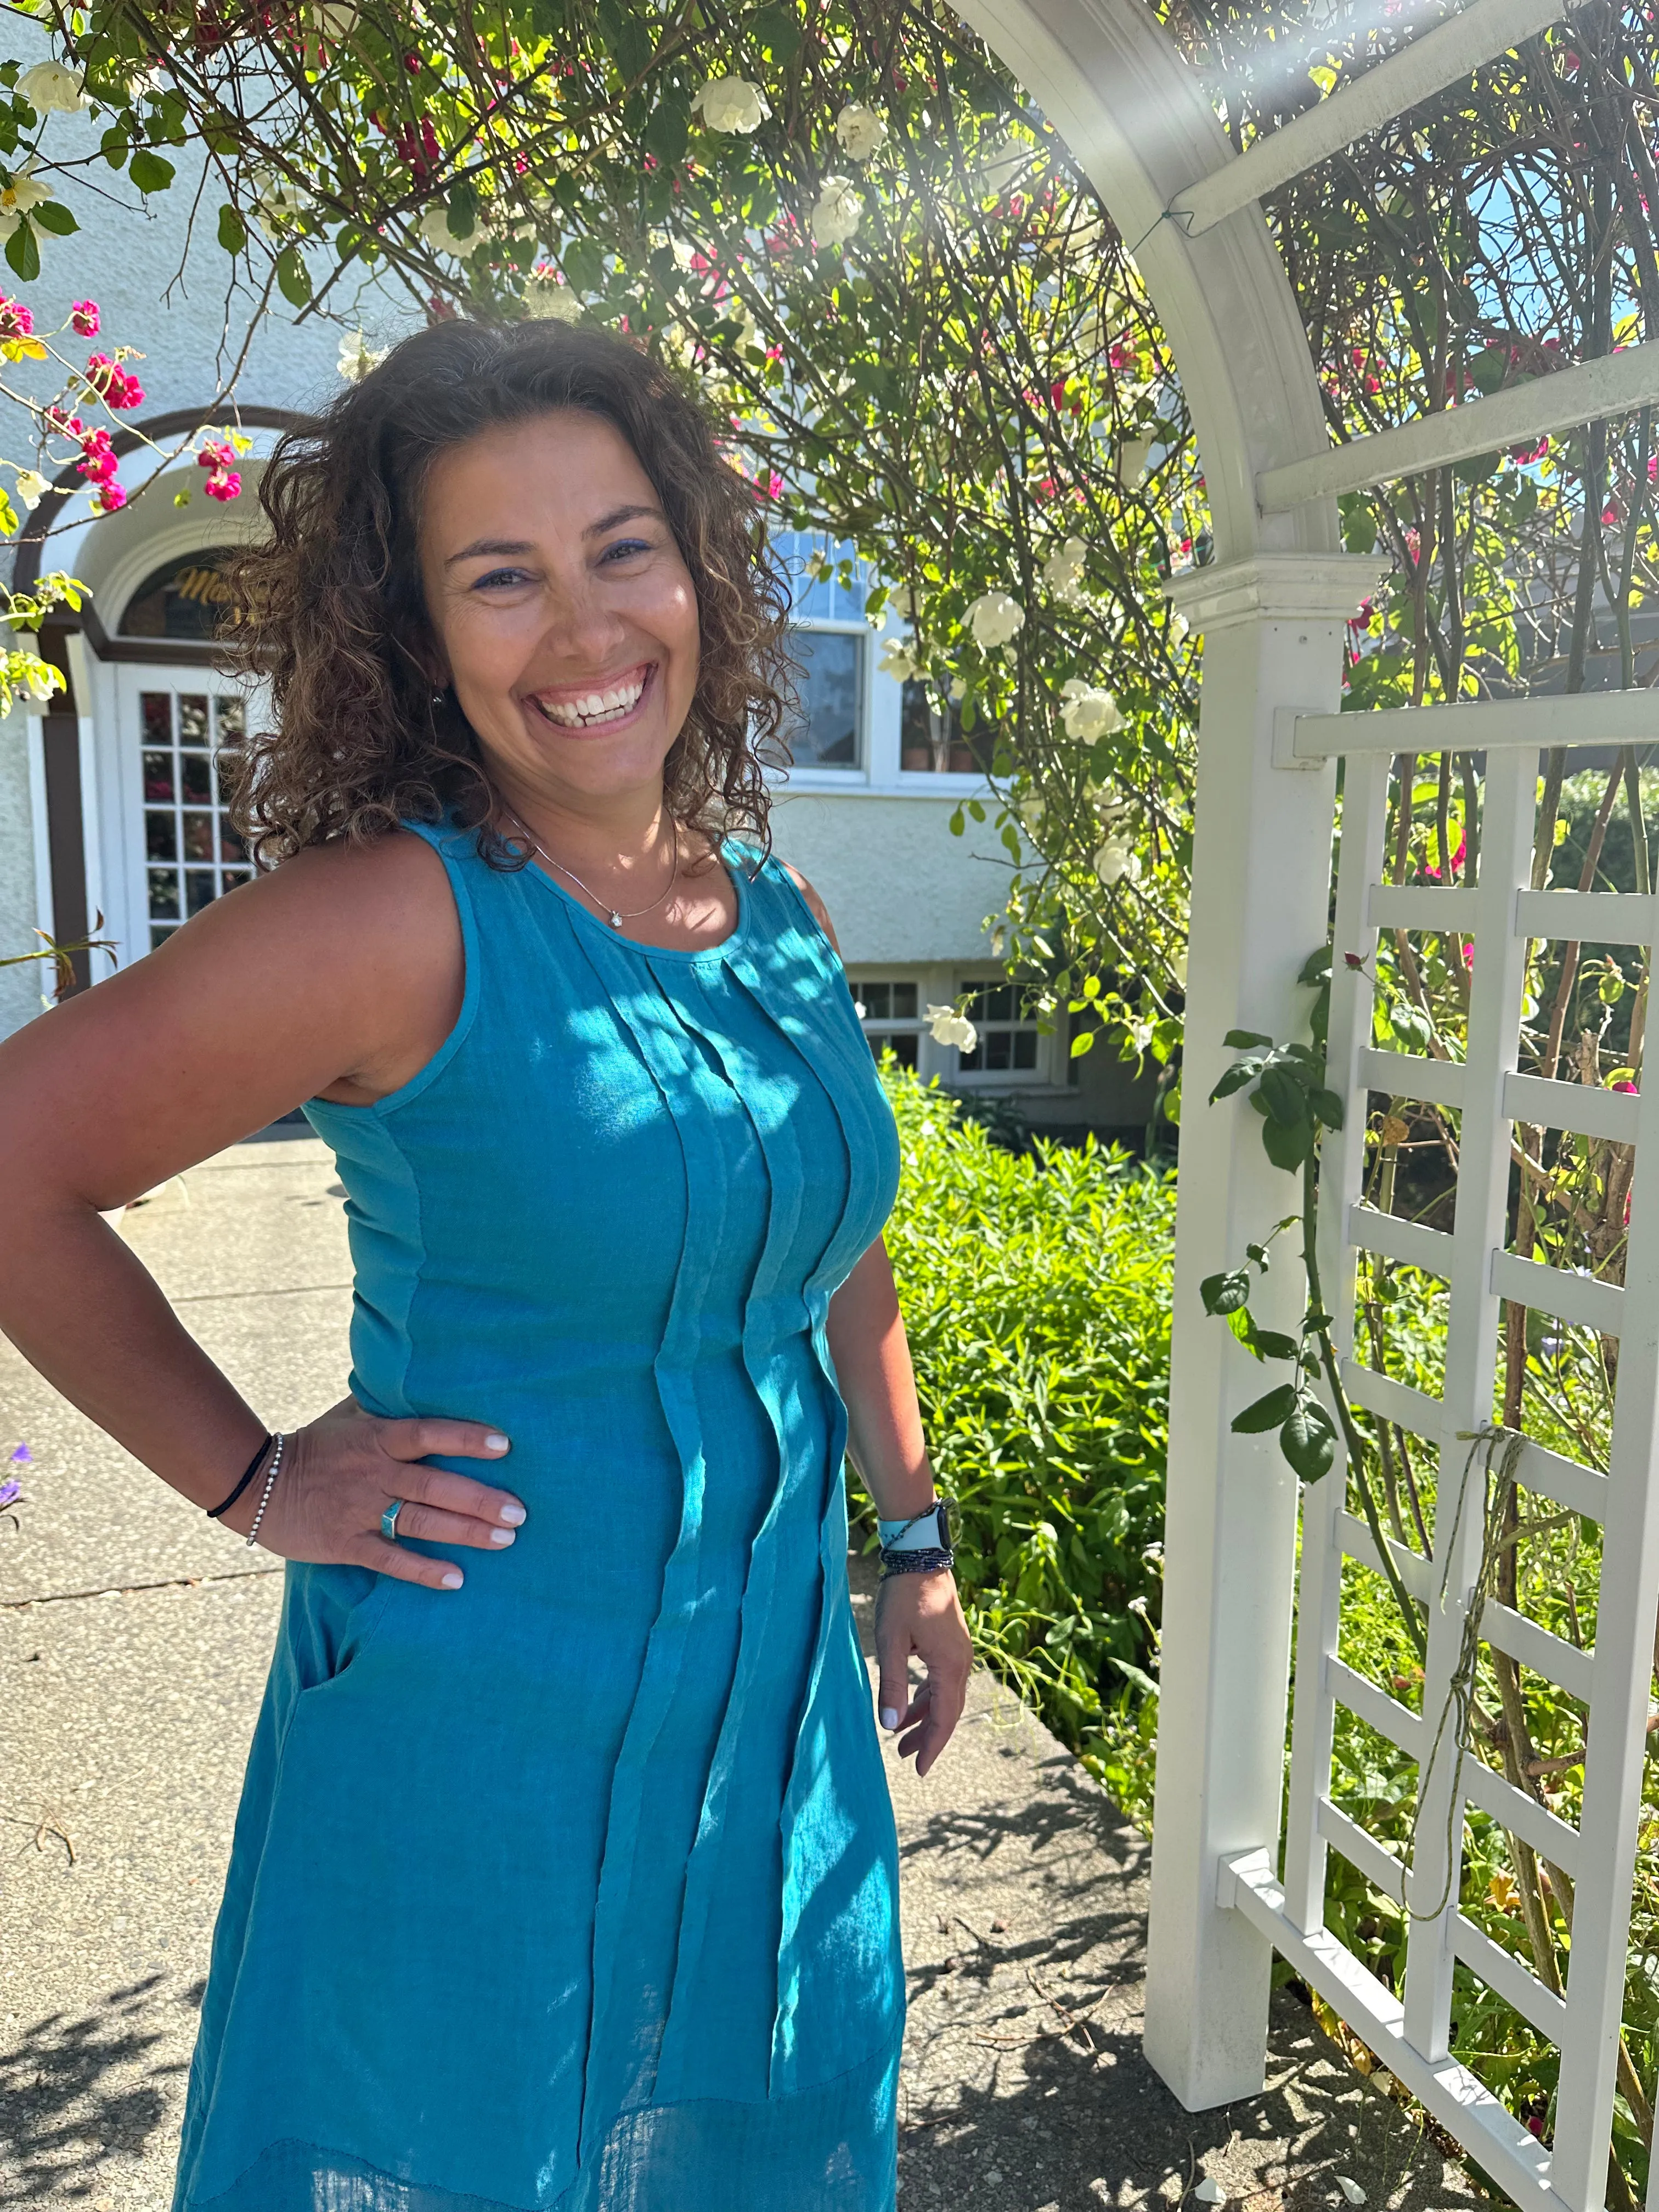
(915, 1562)
(214, 1512)
(264, 1495)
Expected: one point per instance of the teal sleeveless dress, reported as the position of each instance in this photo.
(576, 1888)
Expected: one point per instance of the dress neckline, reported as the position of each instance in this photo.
(733, 940)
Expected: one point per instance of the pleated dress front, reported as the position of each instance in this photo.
(576, 1888)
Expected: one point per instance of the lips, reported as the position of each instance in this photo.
(594, 709)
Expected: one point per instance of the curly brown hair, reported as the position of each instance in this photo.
(331, 613)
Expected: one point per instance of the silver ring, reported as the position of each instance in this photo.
(389, 1520)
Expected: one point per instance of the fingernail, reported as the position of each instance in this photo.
(495, 1442)
(512, 1515)
(452, 1580)
(501, 1535)
(890, 1716)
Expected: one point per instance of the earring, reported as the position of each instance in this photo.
(437, 698)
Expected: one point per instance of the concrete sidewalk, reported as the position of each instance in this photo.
(134, 1637)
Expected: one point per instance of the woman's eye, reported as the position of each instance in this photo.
(500, 580)
(626, 547)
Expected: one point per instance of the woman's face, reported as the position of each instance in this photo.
(563, 611)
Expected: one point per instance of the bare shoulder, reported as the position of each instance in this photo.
(820, 912)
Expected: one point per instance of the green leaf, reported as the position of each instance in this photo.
(8, 515)
(292, 277)
(627, 36)
(958, 825)
(1142, 1681)
(669, 131)
(23, 251)
(1269, 1412)
(53, 216)
(1308, 1440)
(1287, 1146)
(1316, 967)
(1273, 1344)
(1083, 1041)
(1327, 1108)
(976, 810)
(1225, 1293)
(232, 231)
(1287, 1100)
(114, 146)
(151, 173)
(1241, 1072)
(1242, 1040)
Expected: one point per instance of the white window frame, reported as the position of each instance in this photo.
(1051, 1071)
(809, 777)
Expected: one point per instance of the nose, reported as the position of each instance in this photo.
(581, 630)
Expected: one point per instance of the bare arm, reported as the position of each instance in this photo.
(320, 977)
(920, 1614)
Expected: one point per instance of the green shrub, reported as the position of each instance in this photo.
(1035, 1289)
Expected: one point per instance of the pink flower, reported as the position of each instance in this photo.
(228, 486)
(112, 385)
(109, 497)
(16, 321)
(84, 319)
(1624, 1086)
(98, 459)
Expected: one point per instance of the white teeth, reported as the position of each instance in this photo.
(597, 706)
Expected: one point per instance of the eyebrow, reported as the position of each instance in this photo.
(510, 549)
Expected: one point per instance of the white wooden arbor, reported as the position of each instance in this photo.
(1228, 1889)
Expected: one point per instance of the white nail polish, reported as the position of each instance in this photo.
(452, 1580)
(495, 1442)
(890, 1716)
(501, 1535)
(513, 1516)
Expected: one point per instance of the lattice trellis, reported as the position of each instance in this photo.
(1499, 914)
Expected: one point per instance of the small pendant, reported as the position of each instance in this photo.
(616, 920)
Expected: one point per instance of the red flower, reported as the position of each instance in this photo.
(16, 321)
(84, 319)
(226, 486)
(112, 385)
(109, 496)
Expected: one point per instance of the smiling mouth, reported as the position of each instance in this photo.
(595, 709)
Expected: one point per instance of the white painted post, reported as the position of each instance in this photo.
(1273, 627)
(1341, 1169)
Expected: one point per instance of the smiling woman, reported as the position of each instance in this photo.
(566, 1881)
(338, 594)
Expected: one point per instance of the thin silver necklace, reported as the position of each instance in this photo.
(614, 915)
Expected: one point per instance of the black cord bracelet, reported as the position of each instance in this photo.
(214, 1511)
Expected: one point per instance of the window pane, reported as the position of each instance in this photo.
(235, 876)
(996, 1051)
(877, 1002)
(156, 710)
(233, 720)
(195, 780)
(1025, 1045)
(164, 893)
(904, 1002)
(971, 1063)
(192, 718)
(158, 777)
(198, 837)
(198, 889)
(160, 837)
(902, 1046)
(825, 734)
(157, 936)
(1002, 1003)
(231, 847)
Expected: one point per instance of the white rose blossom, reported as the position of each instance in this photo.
(835, 217)
(435, 230)
(994, 619)
(547, 298)
(1133, 455)
(898, 659)
(52, 89)
(1089, 712)
(278, 203)
(357, 356)
(949, 1027)
(1114, 861)
(860, 133)
(732, 104)
(31, 487)
(1062, 572)
(25, 191)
